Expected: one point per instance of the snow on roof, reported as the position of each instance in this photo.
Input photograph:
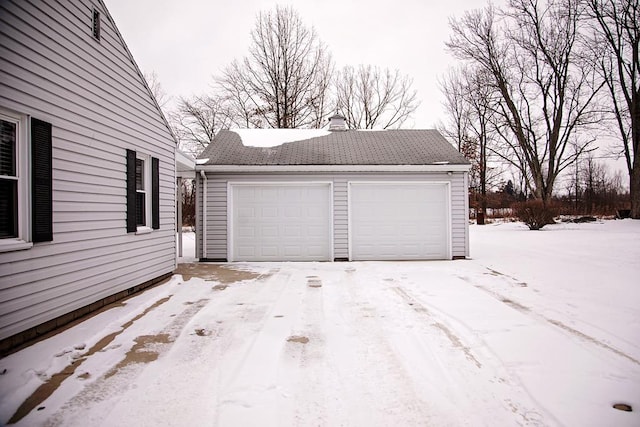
(274, 137)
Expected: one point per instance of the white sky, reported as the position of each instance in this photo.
(187, 42)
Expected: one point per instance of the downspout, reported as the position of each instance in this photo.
(204, 213)
(179, 214)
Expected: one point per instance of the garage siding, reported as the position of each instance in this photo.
(215, 220)
(459, 216)
(217, 187)
(340, 219)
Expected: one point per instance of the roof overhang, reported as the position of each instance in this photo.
(185, 166)
(331, 168)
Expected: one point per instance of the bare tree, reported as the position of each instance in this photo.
(369, 97)
(616, 41)
(456, 105)
(545, 88)
(197, 120)
(283, 81)
(470, 100)
(156, 89)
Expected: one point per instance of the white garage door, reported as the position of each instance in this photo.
(281, 222)
(399, 221)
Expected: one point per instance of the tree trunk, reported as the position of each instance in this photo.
(634, 188)
(634, 175)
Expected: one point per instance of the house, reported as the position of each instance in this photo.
(88, 168)
(336, 194)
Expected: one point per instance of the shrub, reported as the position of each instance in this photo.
(535, 213)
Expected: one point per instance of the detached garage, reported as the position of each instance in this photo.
(324, 195)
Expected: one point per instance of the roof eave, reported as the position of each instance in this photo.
(332, 168)
(185, 165)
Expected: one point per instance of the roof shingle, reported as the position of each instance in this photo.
(351, 147)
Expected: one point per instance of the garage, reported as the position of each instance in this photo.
(280, 222)
(398, 221)
(331, 194)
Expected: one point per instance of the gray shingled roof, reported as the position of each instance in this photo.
(351, 147)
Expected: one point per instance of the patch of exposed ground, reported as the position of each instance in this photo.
(225, 274)
(298, 339)
(515, 305)
(142, 352)
(52, 384)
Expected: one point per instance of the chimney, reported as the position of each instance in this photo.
(337, 123)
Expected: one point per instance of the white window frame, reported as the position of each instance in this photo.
(144, 229)
(23, 156)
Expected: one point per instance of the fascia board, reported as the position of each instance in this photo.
(331, 168)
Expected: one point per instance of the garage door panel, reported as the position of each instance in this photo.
(268, 231)
(293, 231)
(288, 222)
(249, 232)
(292, 212)
(398, 221)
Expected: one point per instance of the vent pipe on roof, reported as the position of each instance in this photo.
(337, 123)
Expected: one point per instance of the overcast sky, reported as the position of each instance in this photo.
(186, 42)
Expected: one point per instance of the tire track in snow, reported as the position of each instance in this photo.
(557, 323)
(488, 386)
(192, 364)
(370, 373)
(455, 340)
(306, 354)
(80, 409)
(52, 384)
(249, 388)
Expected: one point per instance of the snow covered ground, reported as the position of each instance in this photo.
(538, 328)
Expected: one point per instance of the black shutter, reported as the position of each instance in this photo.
(155, 193)
(41, 181)
(131, 191)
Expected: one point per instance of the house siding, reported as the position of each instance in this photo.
(51, 68)
(217, 186)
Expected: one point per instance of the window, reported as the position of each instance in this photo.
(25, 182)
(95, 24)
(143, 195)
(8, 178)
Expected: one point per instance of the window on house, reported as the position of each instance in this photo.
(143, 195)
(25, 182)
(8, 178)
(95, 24)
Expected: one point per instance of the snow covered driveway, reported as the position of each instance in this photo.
(539, 328)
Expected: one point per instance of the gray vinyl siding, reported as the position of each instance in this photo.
(93, 94)
(340, 218)
(215, 220)
(217, 198)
